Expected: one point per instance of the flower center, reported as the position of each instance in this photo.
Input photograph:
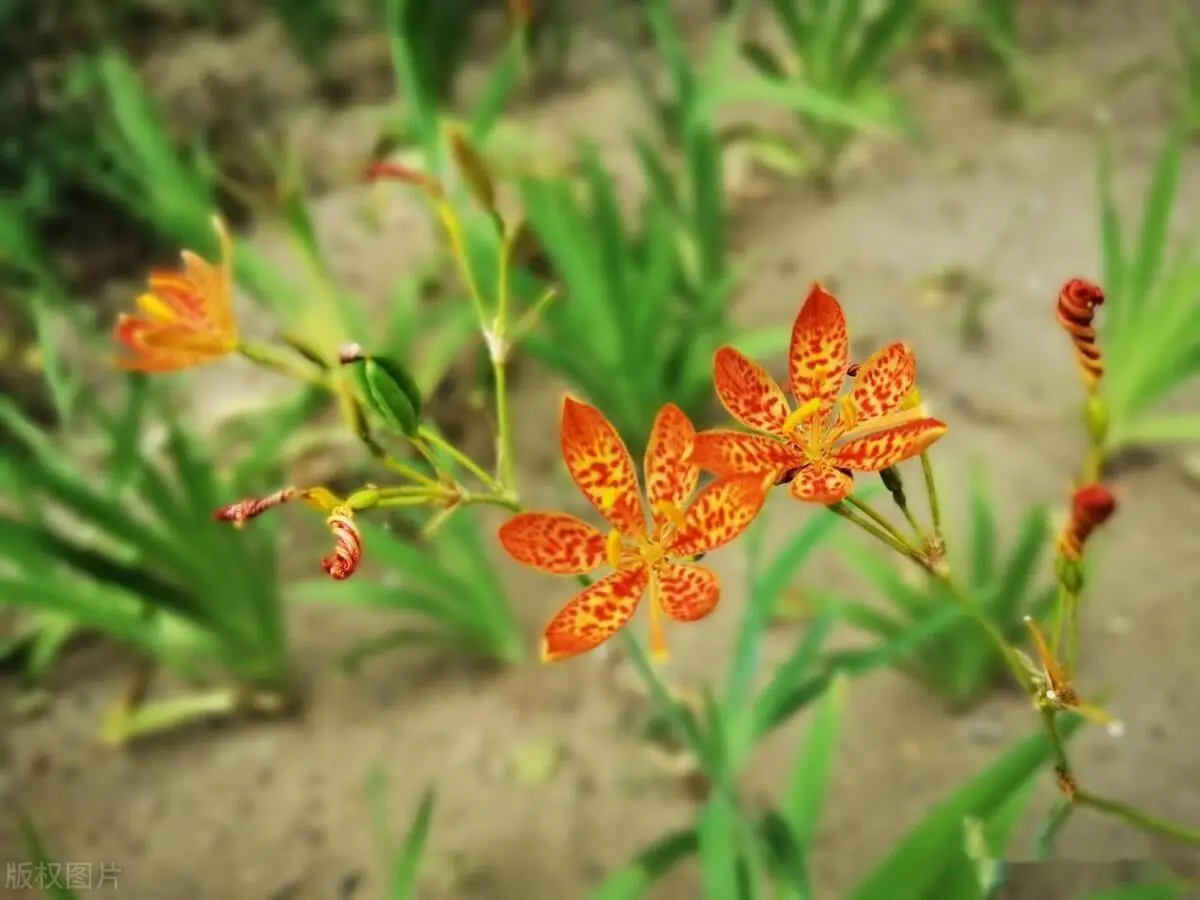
(812, 437)
(644, 549)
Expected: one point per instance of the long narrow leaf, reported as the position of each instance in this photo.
(905, 874)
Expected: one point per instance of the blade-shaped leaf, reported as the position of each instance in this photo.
(905, 874)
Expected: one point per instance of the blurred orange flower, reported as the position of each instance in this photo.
(825, 439)
(657, 557)
(186, 316)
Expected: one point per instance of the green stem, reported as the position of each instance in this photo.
(395, 464)
(428, 434)
(505, 461)
(498, 349)
(502, 500)
(271, 358)
(879, 519)
(1137, 818)
(972, 609)
(887, 537)
(935, 508)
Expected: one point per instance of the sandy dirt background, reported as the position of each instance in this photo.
(276, 811)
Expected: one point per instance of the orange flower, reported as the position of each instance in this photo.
(656, 557)
(825, 438)
(186, 317)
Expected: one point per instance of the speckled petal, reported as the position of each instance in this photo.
(725, 453)
(601, 466)
(687, 593)
(822, 484)
(553, 542)
(886, 448)
(820, 352)
(595, 615)
(883, 383)
(671, 473)
(749, 394)
(720, 513)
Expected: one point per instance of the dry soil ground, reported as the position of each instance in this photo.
(277, 810)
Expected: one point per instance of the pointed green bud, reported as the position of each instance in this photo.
(386, 388)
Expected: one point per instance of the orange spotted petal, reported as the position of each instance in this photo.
(553, 542)
(721, 512)
(671, 474)
(821, 483)
(886, 448)
(687, 593)
(749, 394)
(820, 352)
(724, 452)
(883, 382)
(595, 615)
(601, 466)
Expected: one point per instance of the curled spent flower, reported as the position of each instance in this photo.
(185, 318)
(1053, 686)
(347, 548)
(659, 557)
(1076, 310)
(817, 445)
(1091, 506)
(239, 513)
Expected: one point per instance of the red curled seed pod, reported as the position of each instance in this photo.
(1091, 506)
(238, 513)
(347, 549)
(1077, 302)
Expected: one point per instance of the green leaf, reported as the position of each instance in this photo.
(983, 531)
(1008, 600)
(909, 870)
(404, 867)
(764, 599)
(792, 687)
(812, 769)
(787, 856)
(40, 858)
(764, 342)
(1181, 428)
(882, 35)
(632, 881)
(1156, 217)
(719, 857)
(402, 862)
(762, 59)
(801, 98)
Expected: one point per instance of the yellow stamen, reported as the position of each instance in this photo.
(912, 401)
(155, 309)
(658, 640)
(801, 415)
(883, 423)
(848, 412)
(671, 513)
(613, 548)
